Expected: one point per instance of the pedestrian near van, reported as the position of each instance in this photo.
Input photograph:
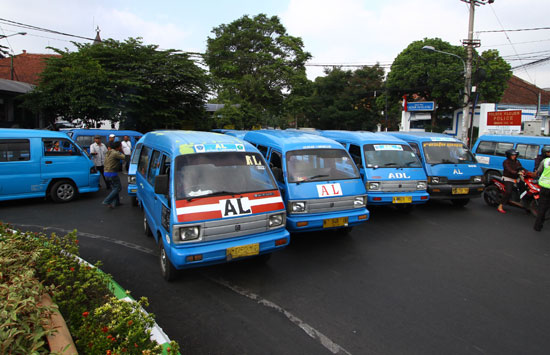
(98, 151)
(113, 165)
(111, 141)
(544, 182)
(127, 150)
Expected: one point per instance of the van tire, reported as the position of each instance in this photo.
(134, 201)
(460, 202)
(146, 230)
(168, 271)
(63, 191)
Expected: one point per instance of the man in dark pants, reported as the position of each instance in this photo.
(544, 182)
(113, 165)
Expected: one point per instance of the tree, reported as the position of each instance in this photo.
(138, 85)
(256, 65)
(347, 99)
(440, 77)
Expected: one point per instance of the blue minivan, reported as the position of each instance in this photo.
(320, 184)
(40, 163)
(452, 171)
(391, 171)
(490, 151)
(132, 168)
(85, 137)
(207, 198)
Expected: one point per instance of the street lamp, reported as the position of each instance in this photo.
(13, 34)
(467, 83)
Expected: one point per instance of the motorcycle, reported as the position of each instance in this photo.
(525, 193)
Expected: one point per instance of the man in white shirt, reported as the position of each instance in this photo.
(98, 151)
(127, 151)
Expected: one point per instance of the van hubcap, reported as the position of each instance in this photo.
(65, 192)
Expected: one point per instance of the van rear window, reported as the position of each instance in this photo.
(14, 150)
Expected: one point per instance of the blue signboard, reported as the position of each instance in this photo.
(420, 106)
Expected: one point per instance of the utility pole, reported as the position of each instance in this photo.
(469, 43)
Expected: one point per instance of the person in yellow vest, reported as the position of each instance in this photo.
(543, 172)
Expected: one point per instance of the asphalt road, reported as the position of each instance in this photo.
(440, 280)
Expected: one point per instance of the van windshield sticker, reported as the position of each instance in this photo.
(441, 144)
(388, 147)
(443, 139)
(218, 147)
(327, 190)
(186, 149)
(251, 160)
(316, 146)
(235, 207)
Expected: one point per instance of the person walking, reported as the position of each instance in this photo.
(127, 150)
(543, 172)
(98, 151)
(113, 160)
(512, 168)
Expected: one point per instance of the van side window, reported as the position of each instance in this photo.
(276, 165)
(15, 150)
(86, 141)
(355, 152)
(502, 148)
(527, 151)
(486, 148)
(143, 160)
(153, 166)
(263, 150)
(59, 147)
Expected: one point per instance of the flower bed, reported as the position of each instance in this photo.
(100, 315)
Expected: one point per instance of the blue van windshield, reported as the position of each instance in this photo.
(320, 165)
(447, 153)
(220, 173)
(390, 156)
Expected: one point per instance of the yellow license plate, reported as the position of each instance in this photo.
(460, 190)
(133, 190)
(243, 250)
(402, 199)
(335, 222)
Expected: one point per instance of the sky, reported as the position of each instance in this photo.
(339, 32)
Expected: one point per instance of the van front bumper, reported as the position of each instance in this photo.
(452, 192)
(387, 198)
(215, 252)
(315, 222)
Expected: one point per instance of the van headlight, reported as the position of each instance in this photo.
(132, 179)
(298, 207)
(373, 186)
(477, 179)
(421, 185)
(276, 220)
(360, 201)
(185, 234)
(437, 179)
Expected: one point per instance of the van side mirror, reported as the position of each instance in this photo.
(161, 184)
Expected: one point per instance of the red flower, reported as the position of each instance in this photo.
(85, 314)
(104, 329)
(108, 352)
(72, 268)
(130, 322)
(135, 344)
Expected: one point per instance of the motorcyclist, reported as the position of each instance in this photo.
(512, 169)
(544, 182)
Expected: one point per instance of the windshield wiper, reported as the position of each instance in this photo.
(309, 178)
(390, 164)
(444, 161)
(217, 193)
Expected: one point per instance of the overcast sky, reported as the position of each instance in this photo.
(334, 32)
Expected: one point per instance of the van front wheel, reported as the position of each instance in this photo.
(169, 272)
(146, 230)
(63, 191)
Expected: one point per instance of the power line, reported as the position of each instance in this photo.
(517, 30)
(36, 28)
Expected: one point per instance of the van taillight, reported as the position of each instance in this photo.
(93, 170)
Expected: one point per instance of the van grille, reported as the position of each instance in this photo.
(235, 227)
(398, 185)
(328, 204)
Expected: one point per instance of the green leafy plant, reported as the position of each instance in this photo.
(32, 264)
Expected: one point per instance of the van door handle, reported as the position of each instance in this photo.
(49, 161)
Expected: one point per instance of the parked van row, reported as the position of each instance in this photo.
(85, 137)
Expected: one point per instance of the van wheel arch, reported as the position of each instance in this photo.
(62, 190)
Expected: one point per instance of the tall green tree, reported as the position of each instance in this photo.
(346, 99)
(256, 64)
(439, 77)
(138, 85)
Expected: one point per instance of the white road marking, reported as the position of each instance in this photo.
(309, 330)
